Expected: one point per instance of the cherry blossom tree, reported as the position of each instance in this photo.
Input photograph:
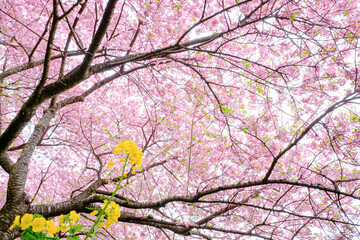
(247, 113)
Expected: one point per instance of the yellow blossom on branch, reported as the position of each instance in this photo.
(93, 213)
(130, 148)
(110, 164)
(38, 224)
(112, 212)
(51, 229)
(26, 221)
(62, 226)
(15, 223)
(74, 217)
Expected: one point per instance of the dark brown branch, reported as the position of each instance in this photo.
(344, 101)
(77, 75)
(195, 197)
(99, 35)
(41, 38)
(29, 65)
(5, 162)
(18, 173)
(77, 203)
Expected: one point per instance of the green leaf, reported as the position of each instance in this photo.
(76, 228)
(245, 63)
(349, 37)
(354, 118)
(177, 6)
(73, 238)
(259, 89)
(226, 110)
(29, 236)
(293, 17)
(334, 58)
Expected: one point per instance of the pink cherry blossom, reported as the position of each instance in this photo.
(247, 114)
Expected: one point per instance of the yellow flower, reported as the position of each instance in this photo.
(61, 220)
(105, 201)
(93, 213)
(134, 168)
(135, 154)
(108, 224)
(110, 163)
(38, 224)
(118, 148)
(107, 210)
(101, 225)
(15, 223)
(62, 226)
(113, 217)
(26, 221)
(113, 213)
(51, 228)
(74, 217)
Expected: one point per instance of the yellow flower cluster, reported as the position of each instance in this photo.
(74, 217)
(38, 224)
(112, 212)
(130, 148)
